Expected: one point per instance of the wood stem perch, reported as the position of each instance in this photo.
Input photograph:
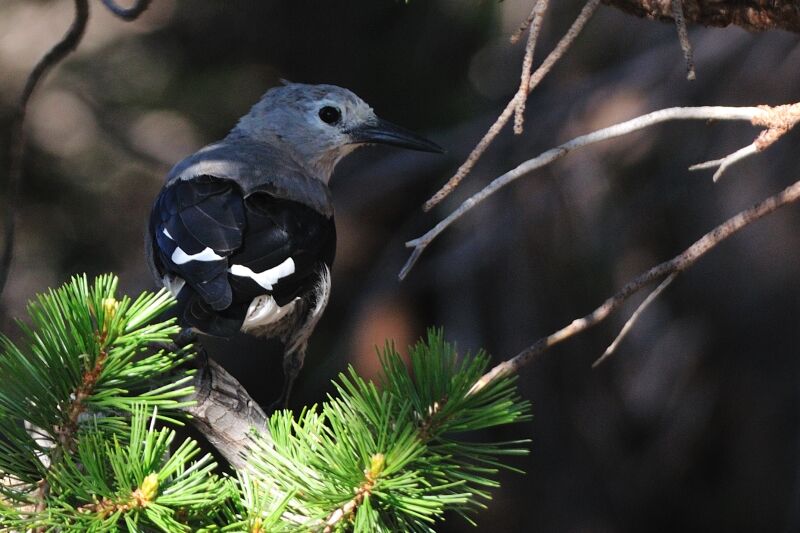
(753, 15)
(225, 413)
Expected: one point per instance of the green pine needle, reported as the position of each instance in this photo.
(78, 406)
(139, 481)
(85, 359)
(395, 457)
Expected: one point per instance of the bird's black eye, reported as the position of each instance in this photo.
(330, 114)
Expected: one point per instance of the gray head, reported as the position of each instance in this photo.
(320, 124)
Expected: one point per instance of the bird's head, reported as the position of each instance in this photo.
(320, 124)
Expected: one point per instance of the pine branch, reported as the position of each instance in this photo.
(88, 457)
(391, 458)
(136, 481)
(86, 361)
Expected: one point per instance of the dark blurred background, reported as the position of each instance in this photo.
(693, 425)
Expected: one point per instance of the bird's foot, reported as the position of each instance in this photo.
(186, 337)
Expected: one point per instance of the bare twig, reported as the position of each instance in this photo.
(677, 264)
(127, 13)
(17, 143)
(634, 317)
(683, 37)
(776, 120)
(539, 9)
(505, 115)
(726, 161)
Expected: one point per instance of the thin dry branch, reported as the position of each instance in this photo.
(776, 121)
(634, 317)
(17, 139)
(683, 37)
(560, 49)
(517, 35)
(127, 13)
(539, 9)
(727, 161)
(677, 264)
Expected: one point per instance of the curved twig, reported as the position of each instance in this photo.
(17, 145)
(127, 13)
(677, 264)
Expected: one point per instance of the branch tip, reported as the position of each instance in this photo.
(512, 107)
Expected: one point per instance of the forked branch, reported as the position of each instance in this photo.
(518, 101)
(776, 121)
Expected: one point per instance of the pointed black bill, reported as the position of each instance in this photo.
(384, 132)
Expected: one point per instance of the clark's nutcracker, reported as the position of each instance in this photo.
(242, 232)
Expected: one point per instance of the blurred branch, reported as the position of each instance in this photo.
(522, 93)
(669, 268)
(17, 140)
(127, 13)
(776, 121)
(55, 55)
(758, 15)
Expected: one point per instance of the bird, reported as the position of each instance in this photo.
(242, 232)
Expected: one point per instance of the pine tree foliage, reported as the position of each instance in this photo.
(394, 457)
(138, 482)
(83, 447)
(85, 361)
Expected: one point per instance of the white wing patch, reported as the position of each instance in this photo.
(269, 277)
(179, 257)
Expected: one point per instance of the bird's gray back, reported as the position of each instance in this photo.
(256, 167)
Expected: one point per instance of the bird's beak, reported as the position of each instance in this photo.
(384, 132)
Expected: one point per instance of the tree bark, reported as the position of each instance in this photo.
(225, 413)
(754, 15)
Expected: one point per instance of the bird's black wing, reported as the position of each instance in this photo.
(196, 224)
(279, 231)
(230, 249)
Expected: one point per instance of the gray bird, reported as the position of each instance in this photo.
(243, 232)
